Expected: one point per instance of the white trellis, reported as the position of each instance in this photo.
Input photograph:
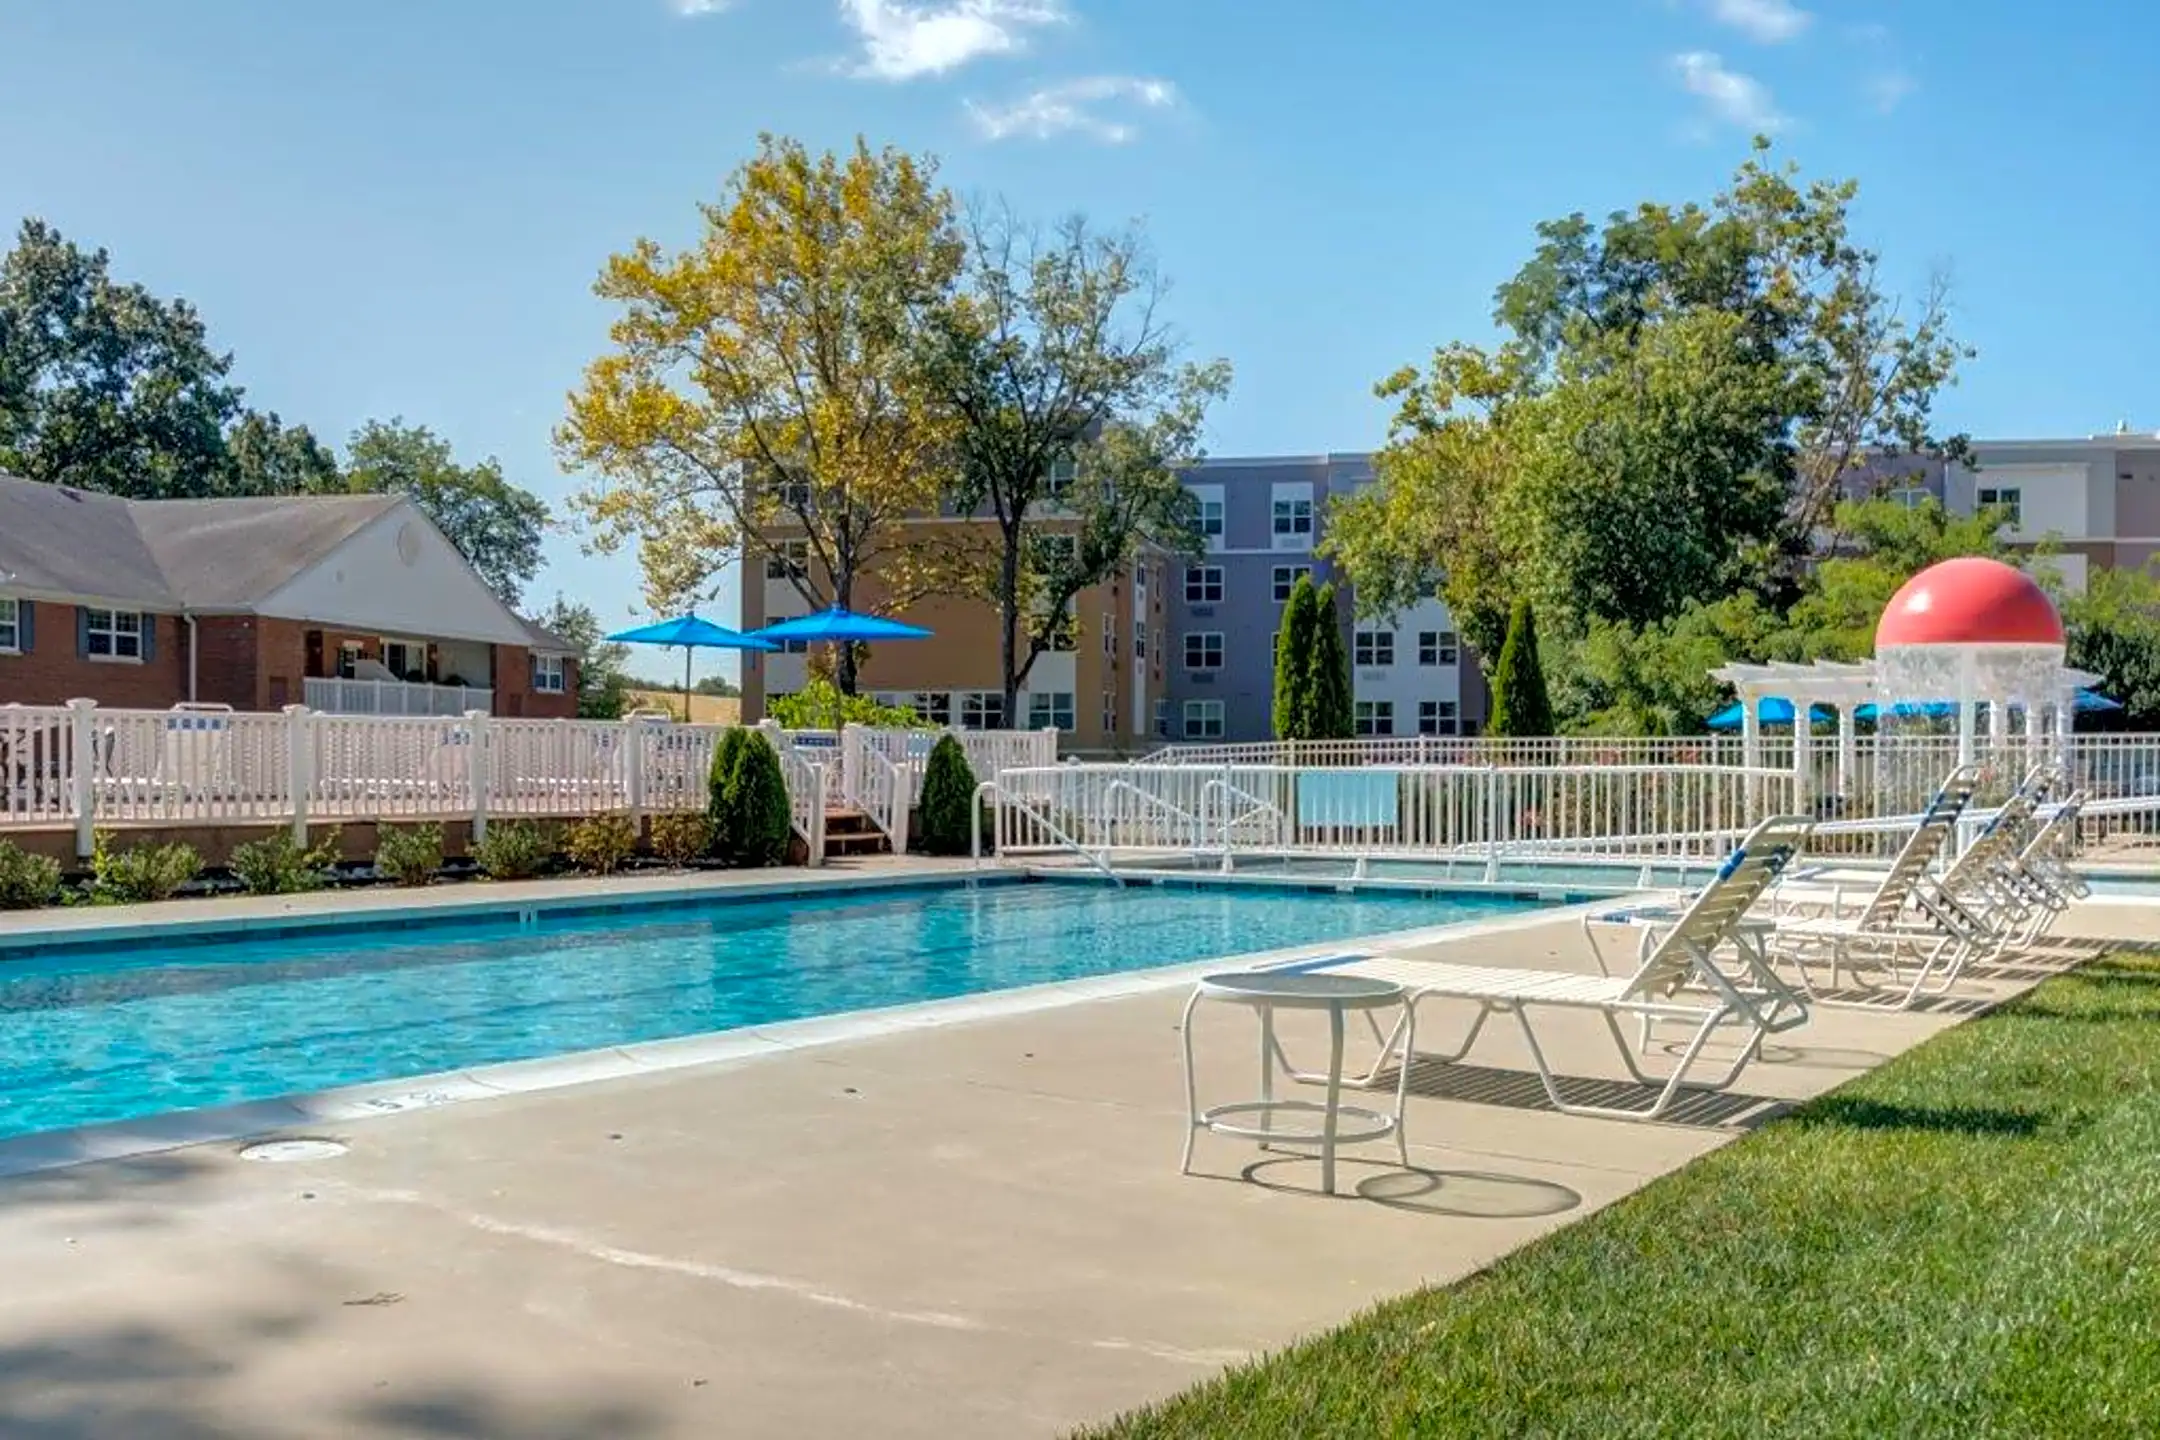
(1845, 687)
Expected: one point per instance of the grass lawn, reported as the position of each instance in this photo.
(1964, 1242)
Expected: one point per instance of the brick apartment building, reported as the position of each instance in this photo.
(343, 603)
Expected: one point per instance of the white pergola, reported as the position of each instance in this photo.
(1845, 687)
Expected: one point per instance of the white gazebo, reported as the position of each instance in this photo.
(1971, 633)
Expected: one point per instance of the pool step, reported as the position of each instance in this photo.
(850, 832)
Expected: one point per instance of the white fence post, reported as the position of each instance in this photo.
(1492, 824)
(634, 733)
(83, 757)
(480, 770)
(299, 767)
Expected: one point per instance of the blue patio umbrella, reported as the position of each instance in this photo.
(839, 626)
(692, 633)
(1770, 711)
(2085, 702)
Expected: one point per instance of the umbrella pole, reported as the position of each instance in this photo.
(686, 658)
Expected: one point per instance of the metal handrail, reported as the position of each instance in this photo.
(989, 789)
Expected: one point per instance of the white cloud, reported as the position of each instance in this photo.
(902, 40)
(1077, 107)
(1735, 98)
(1772, 22)
(693, 8)
(1888, 89)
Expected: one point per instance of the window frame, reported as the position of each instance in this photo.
(113, 633)
(1196, 578)
(541, 664)
(1372, 649)
(1443, 646)
(1202, 637)
(1369, 716)
(1207, 708)
(1069, 709)
(2010, 498)
(11, 608)
(1436, 723)
(1283, 587)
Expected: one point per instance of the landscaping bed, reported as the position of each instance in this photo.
(1963, 1242)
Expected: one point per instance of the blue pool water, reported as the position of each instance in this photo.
(99, 1035)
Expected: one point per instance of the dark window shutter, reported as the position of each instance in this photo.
(148, 630)
(82, 633)
(25, 626)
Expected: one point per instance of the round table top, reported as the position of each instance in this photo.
(1306, 989)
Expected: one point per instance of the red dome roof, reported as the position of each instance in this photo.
(1969, 601)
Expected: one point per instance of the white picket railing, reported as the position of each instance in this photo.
(81, 765)
(333, 696)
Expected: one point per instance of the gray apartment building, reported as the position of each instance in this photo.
(1261, 518)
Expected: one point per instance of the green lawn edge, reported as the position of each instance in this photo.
(1964, 1241)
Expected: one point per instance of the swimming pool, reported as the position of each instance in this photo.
(95, 1034)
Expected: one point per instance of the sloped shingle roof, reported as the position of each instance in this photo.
(169, 554)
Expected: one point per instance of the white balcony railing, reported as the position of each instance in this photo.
(395, 697)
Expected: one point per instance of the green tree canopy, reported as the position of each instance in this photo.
(1332, 714)
(1295, 644)
(1520, 706)
(1073, 412)
(1680, 398)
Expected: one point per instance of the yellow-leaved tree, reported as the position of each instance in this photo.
(762, 395)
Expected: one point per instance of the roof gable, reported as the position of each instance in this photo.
(231, 554)
(397, 575)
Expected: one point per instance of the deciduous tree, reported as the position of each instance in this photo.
(767, 380)
(1073, 412)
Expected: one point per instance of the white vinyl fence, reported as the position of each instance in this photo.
(80, 766)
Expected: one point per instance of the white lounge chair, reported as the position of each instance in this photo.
(1942, 925)
(1680, 978)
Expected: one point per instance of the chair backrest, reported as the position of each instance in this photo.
(1999, 839)
(1712, 915)
(1937, 823)
(2056, 837)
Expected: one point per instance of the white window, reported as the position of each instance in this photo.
(982, 710)
(787, 647)
(1058, 479)
(1437, 717)
(1911, 497)
(790, 560)
(10, 625)
(1204, 650)
(1375, 717)
(933, 707)
(1203, 719)
(406, 659)
(1203, 584)
(795, 495)
(1139, 585)
(2010, 499)
(1109, 713)
(1139, 639)
(1437, 647)
(1286, 578)
(113, 634)
(548, 674)
(1293, 519)
(1162, 718)
(1210, 515)
(1109, 634)
(1050, 711)
(1375, 647)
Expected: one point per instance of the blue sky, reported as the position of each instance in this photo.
(398, 207)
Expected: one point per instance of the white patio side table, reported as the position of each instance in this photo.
(1265, 992)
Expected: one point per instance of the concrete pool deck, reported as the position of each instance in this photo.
(977, 1229)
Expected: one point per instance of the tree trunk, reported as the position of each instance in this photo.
(844, 655)
(1009, 627)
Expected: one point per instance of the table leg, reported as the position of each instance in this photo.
(1267, 1068)
(1192, 1087)
(1334, 1098)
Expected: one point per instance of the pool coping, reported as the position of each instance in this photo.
(311, 1112)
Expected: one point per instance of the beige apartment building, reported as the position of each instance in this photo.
(1103, 690)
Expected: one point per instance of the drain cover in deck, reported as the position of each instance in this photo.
(285, 1152)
